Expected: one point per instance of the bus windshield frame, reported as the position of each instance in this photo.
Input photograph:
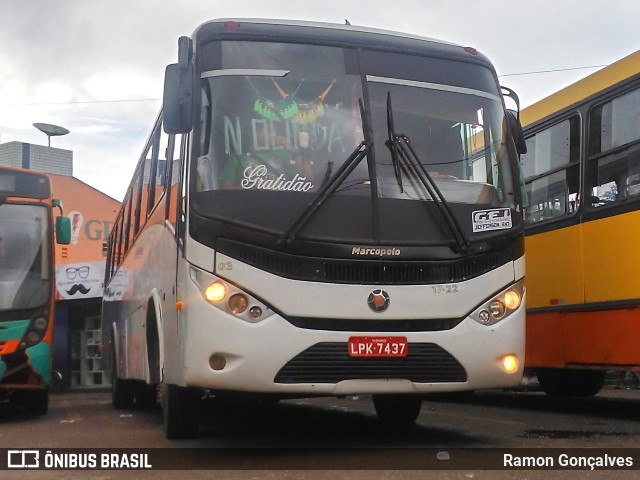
(274, 127)
(25, 266)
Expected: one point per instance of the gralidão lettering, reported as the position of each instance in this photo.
(258, 177)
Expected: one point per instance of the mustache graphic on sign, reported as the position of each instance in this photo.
(80, 280)
(82, 273)
(78, 288)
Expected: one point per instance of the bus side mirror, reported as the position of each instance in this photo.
(516, 131)
(177, 102)
(63, 230)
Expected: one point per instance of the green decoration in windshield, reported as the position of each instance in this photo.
(288, 108)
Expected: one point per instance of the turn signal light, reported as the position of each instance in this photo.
(216, 292)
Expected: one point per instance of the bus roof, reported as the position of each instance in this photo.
(227, 28)
(582, 89)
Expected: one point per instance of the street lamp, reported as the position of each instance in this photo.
(51, 130)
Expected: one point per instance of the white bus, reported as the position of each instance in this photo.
(320, 210)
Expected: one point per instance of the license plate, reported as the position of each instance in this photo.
(378, 347)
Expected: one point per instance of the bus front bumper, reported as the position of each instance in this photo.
(224, 353)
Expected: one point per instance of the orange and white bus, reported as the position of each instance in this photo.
(582, 174)
(27, 286)
(344, 217)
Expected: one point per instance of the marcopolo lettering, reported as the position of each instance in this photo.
(376, 252)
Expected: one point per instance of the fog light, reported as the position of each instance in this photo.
(33, 337)
(217, 362)
(512, 300)
(510, 363)
(497, 309)
(238, 303)
(216, 292)
(255, 312)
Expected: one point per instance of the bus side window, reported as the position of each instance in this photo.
(181, 195)
(144, 197)
(551, 171)
(136, 199)
(126, 203)
(172, 178)
(615, 132)
(153, 167)
(162, 150)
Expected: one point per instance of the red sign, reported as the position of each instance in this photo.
(378, 347)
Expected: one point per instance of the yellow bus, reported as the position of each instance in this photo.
(582, 176)
(27, 286)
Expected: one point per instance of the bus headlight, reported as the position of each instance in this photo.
(33, 337)
(40, 323)
(500, 306)
(497, 309)
(229, 298)
(216, 292)
(238, 303)
(512, 300)
(36, 331)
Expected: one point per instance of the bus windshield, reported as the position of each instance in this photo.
(281, 118)
(24, 257)
(455, 133)
(280, 125)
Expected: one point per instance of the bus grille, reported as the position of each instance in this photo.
(331, 363)
(371, 272)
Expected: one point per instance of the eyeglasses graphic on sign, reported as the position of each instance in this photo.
(82, 272)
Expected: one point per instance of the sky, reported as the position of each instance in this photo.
(96, 67)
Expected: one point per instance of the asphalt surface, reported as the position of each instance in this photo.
(341, 438)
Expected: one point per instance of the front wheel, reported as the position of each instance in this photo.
(397, 410)
(180, 411)
(122, 391)
(565, 382)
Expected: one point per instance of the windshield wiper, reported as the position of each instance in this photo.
(331, 183)
(392, 144)
(406, 159)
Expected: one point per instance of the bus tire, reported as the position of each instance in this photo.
(180, 411)
(397, 410)
(37, 401)
(565, 382)
(122, 391)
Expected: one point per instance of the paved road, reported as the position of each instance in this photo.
(340, 434)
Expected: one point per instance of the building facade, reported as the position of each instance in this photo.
(77, 342)
(36, 157)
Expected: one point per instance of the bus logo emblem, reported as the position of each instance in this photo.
(494, 219)
(378, 300)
